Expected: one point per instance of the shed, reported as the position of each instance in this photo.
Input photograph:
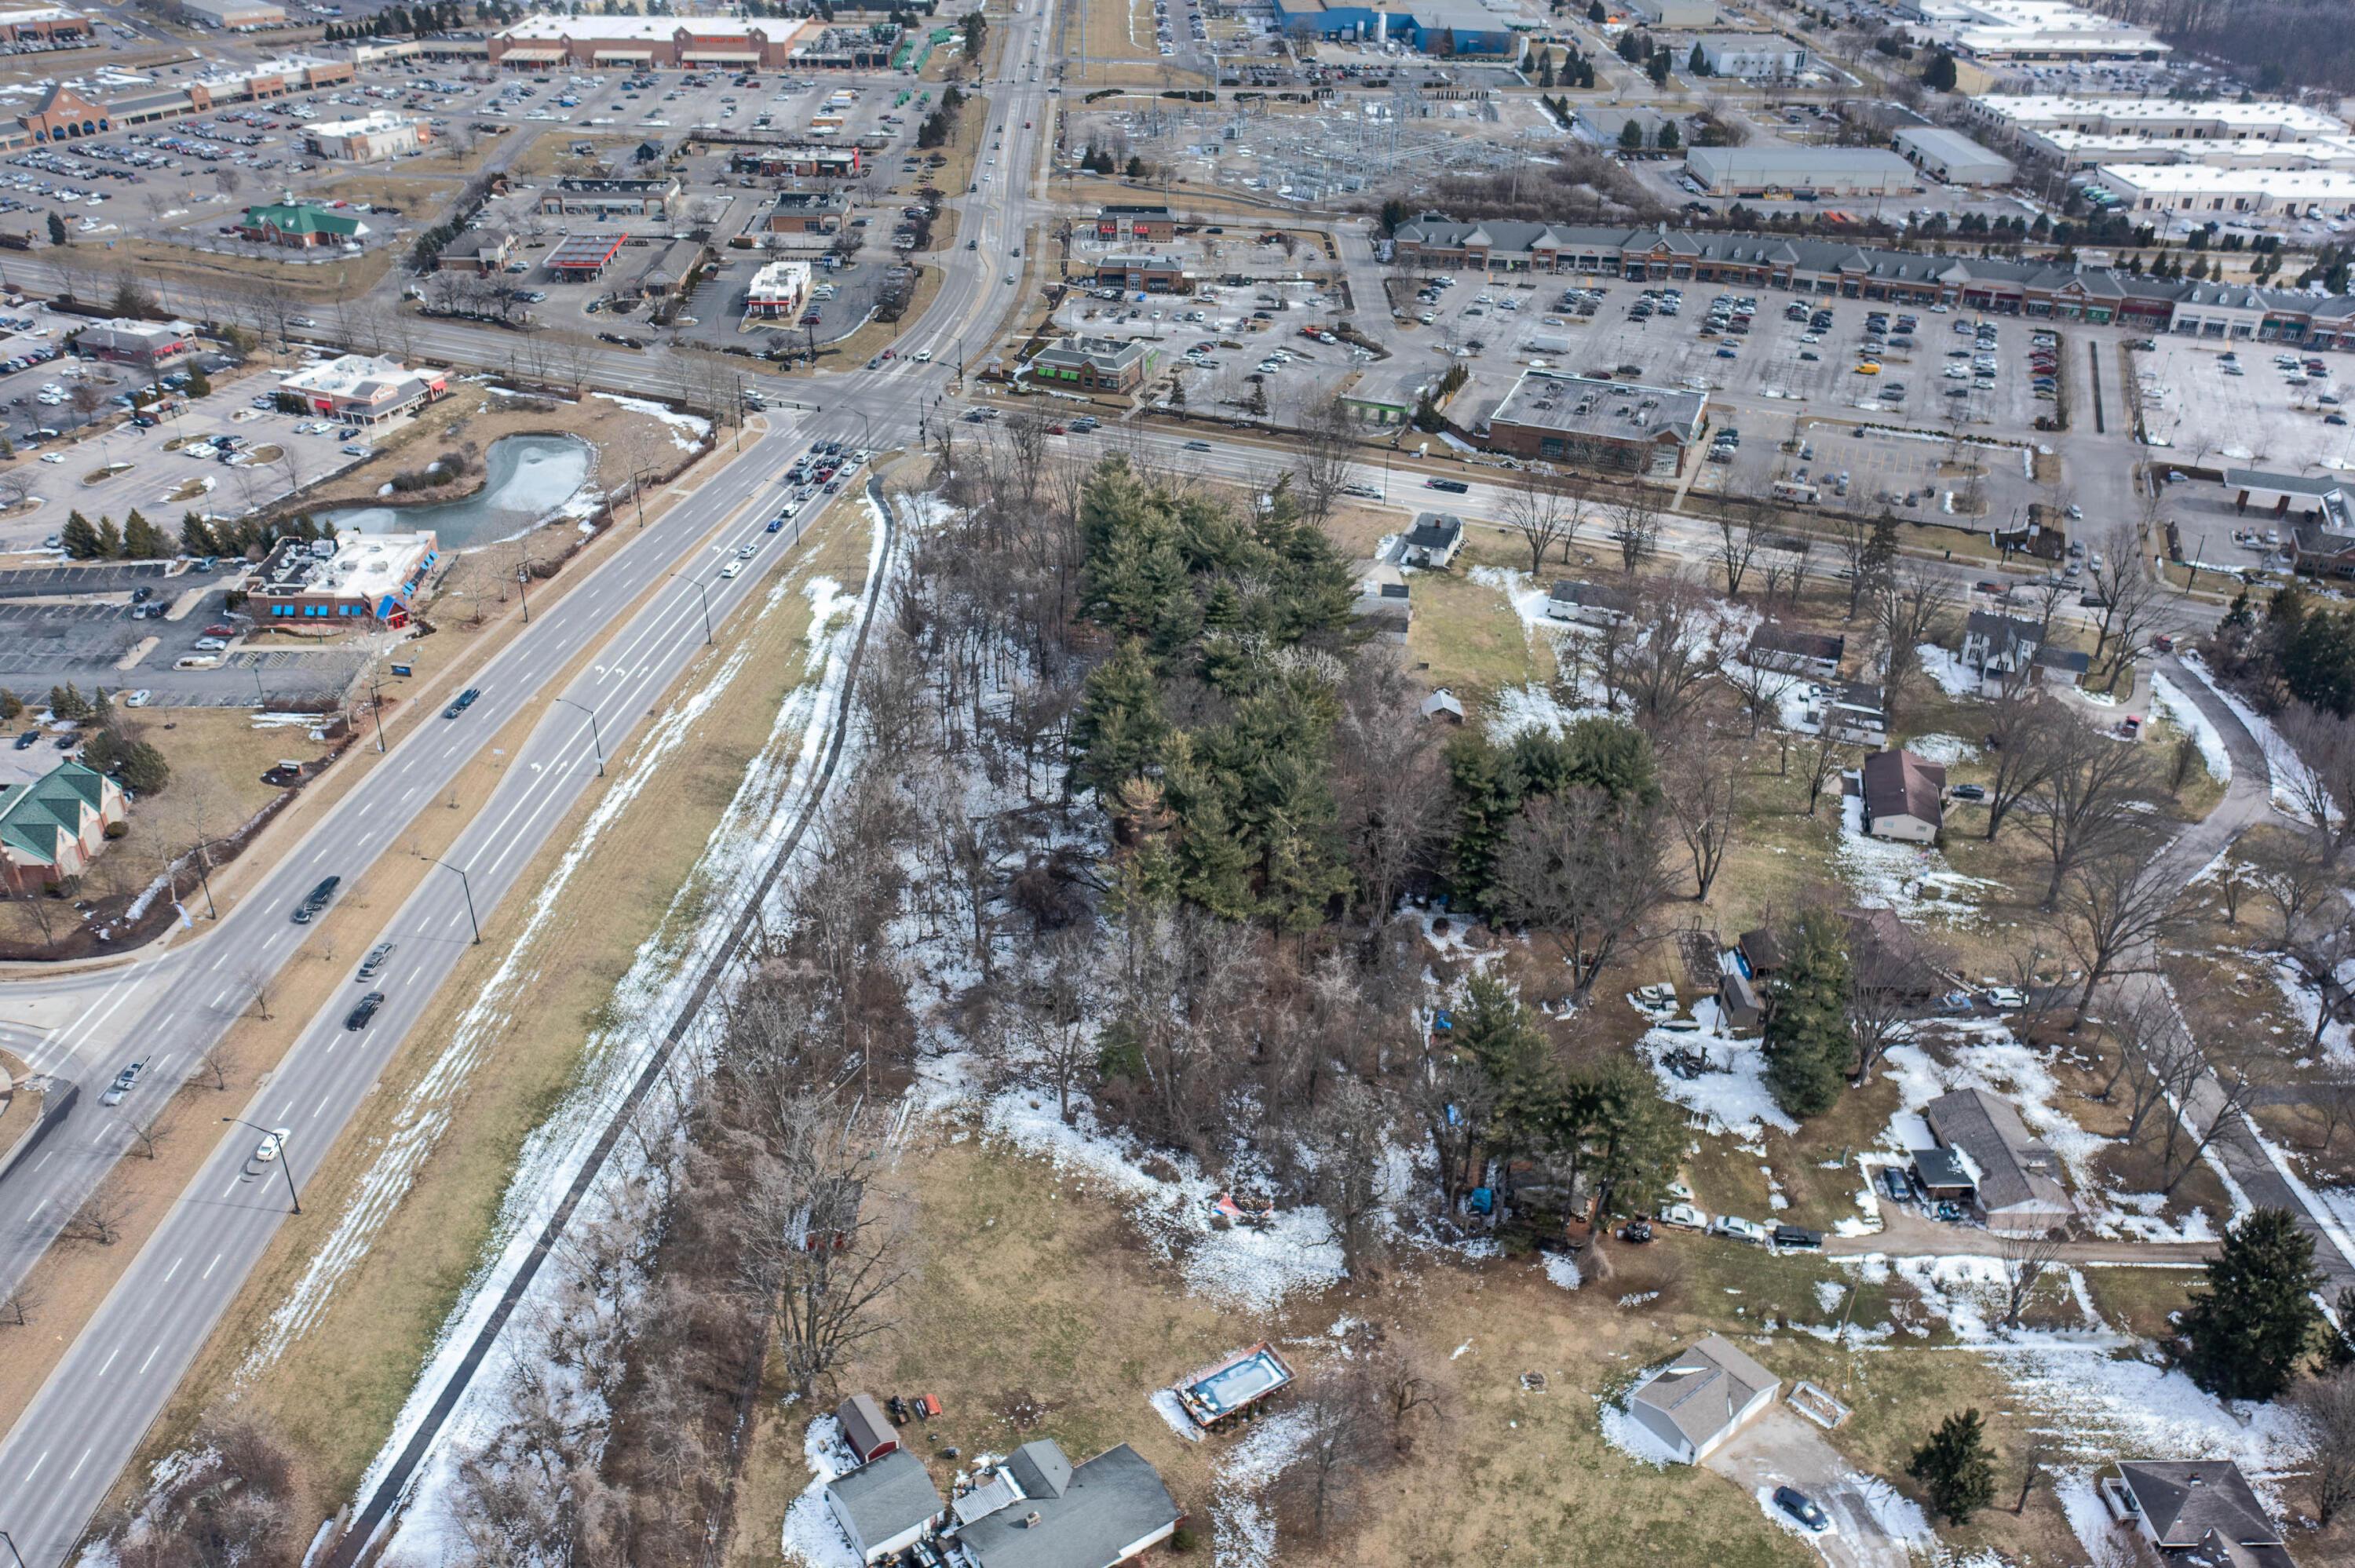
(886, 1507)
(1703, 1397)
(1445, 706)
(1760, 950)
(866, 1429)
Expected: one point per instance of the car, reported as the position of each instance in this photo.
(1638, 1232)
(122, 1084)
(1734, 1227)
(1453, 486)
(1363, 491)
(745, 552)
(357, 1018)
(461, 703)
(2006, 998)
(210, 644)
(374, 963)
(355, 449)
(1894, 1183)
(1684, 1216)
(67, 741)
(1809, 355)
(1869, 367)
(1802, 1508)
(776, 524)
(219, 629)
(273, 1143)
(732, 568)
(1797, 1237)
(29, 738)
(1198, 445)
(1968, 792)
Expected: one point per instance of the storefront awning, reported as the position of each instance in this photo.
(624, 55)
(717, 56)
(548, 54)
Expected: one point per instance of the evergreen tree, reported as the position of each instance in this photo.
(1121, 730)
(79, 539)
(1955, 1468)
(1697, 61)
(196, 539)
(1136, 170)
(57, 230)
(1631, 135)
(139, 540)
(102, 710)
(2338, 1344)
(140, 766)
(11, 705)
(67, 701)
(199, 386)
(1669, 139)
(1807, 1044)
(1657, 69)
(1938, 76)
(110, 539)
(2255, 1317)
(1545, 69)
(1638, 1138)
(1214, 864)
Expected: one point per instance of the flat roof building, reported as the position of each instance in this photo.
(372, 138)
(670, 43)
(578, 196)
(364, 389)
(1673, 13)
(1752, 56)
(43, 23)
(1615, 425)
(584, 258)
(2029, 31)
(232, 16)
(148, 345)
(1829, 171)
(806, 212)
(355, 577)
(2202, 119)
(778, 292)
(1953, 157)
(2198, 188)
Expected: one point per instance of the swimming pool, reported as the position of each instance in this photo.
(1242, 1379)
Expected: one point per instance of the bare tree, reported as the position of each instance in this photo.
(2025, 731)
(1341, 1442)
(215, 1062)
(1762, 688)
(1704, 788)
(1544, 514)
(1586, 870)
(2114, 910)
(1348, 1137)
(1635, 526)
(1669, 659)
(1389, 788)
(1403, 1391)
(1737, 545)
(148, 1133)
(2089, 802)
(1910, 605)
(2328, 1405)
(2325, 789)
(2131, 600)
(100, 1218)
(2026, 1260)
(1823, 764)
(21, 1301)
(256, 980)
(1321, 459)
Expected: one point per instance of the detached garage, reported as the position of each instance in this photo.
(1703, 1397)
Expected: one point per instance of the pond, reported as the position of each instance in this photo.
(527, 477)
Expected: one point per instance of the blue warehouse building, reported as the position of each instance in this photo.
(1440, 28)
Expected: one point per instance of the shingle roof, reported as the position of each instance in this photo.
(1092, 1513)
(1899, 784)
(36, 818)
(2184, 1499)
(1705, 1388)
(301, 219)
(2013, 1169)
(887, 1497)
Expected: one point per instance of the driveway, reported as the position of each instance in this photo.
(1782, 1447)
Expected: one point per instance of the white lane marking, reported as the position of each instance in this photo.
(289, 1112)
(207, 1273)
(37, 1465)
(322, 1102)
(174, 1268)
(86, 1453)
(151, 1356)
(45, 1158)
(230, 1193)
(110, 1359)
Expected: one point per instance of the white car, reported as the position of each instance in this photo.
(923, 357)
(2006, 998)
(1685, 1216)
(1735, 1227)
(137, 699)
(53, 457)
(267, 1150)
(732, 568)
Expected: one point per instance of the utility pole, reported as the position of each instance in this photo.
(523, 587)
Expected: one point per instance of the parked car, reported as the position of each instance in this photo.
(1969, 792)
(1734, 1227)
(2006, 998)
(31, 738)
(1684, 1216)
(1798, 1236)
(1802, 1508)
(1893, 1181)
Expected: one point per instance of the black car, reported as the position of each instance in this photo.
(466, 700)
(1969, 791)
(67, 741)
(317, 900)
(1802, 1507)
(1893, 1181)
(1797, 1236)
(357, 1018)
(30, 738)
(1453, 486)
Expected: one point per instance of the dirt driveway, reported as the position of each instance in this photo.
(1781, 1447)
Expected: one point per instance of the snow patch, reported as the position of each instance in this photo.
(2185, 714)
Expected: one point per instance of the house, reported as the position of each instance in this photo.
(1434, 541)
(53, 828)
(1382, 605)
(1904, 797)
(1445, 706)
(2062, 666)
(1703, 1397)
(1057, 1514)
(1774, 646)
(484, 250)
(1856, 711)
(299, 226)
(1996, 645)
(2017, 1192)
(1588, 604)
(1942, 1176)
(1885, 955)
(2199, 1512)
(885, 1507)
(866, 1429)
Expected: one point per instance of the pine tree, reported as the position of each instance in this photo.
(2338, 1345)
(196, 539)
(2255, 1317)
(1121, 730)
(1669, 137)
(1807, 1044)
(139, 541)
(110, 539)
(11, 705)
(57, 230)
(1697, 61)
(102, 710)
(79, 539)
(1631, 135)
(1214, 864)
(198, 385)
(1955, 1468)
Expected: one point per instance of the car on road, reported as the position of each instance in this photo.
(1363, 491)
(776, 524)
(122, 1084)
(375, 961)
(273, 1143)
(732, 568)
(1802, 1508)
(357, 1018)
(463, 701)
(745, 552)
(1453, 486)
(1198, 445)
(317, 900)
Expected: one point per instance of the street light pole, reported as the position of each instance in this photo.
(523, 587)
(700, 593)
(467, 888)
(283, 1162)
(204, 875)
(3, 1534)
(594, 738)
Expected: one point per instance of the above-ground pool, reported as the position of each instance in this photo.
(1242, 1379)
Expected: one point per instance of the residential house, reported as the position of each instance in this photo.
(1942, 1176)
(866, 1429)
(1886, 955)
(2062, 666)
(1056, 1514)
(1996, 645)
(1704, 1396)
(1435, 540)
(1774, 646)
(1588, 604)
(885, 1507)
(1856, 711)
(1904, 797)
(2018, 1191)
(2199, 1512)
(1382, 605)
(51, 828)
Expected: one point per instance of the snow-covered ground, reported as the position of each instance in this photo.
(2185, 714)
(2290, 774)
(688, 433)
(664, 970)
(1913, 879)
(1736, 1101)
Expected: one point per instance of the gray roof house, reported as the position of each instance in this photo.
(886, 1507)
(1589, 604)
(1060, 1515)
(2019, 1193)
(2202, 1510)
(1800, 652)
(1703, 1397)
(1434, 541)
(1904, 797)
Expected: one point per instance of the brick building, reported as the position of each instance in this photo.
(1136, 225)
(1613, 425)
(356, 577)
(1094, 364)
(629, 42)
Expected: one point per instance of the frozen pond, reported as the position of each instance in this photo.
(528, 478)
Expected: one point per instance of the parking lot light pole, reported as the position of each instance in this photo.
(283, 1162)
(594, 738)
(467, 888)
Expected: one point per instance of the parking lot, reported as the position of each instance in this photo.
(2268, 414)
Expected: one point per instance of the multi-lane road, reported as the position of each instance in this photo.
(631, 627)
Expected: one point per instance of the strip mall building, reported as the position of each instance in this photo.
(663, 43)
